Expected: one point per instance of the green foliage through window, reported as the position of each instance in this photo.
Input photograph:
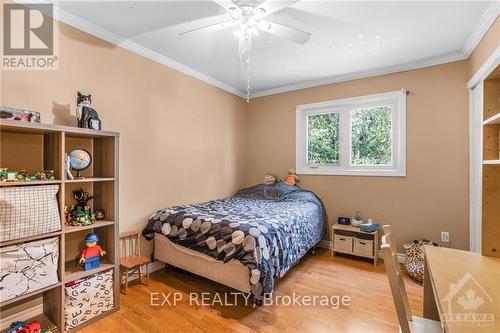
(323, 139)
(371, 130)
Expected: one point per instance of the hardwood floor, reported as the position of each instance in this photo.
(371, 308)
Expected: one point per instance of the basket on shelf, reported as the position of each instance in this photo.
(28, 267)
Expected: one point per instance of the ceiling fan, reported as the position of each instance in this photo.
(251, 16)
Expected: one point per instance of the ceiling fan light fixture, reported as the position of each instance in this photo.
(265, 26)
(234, 13)
(260, 13)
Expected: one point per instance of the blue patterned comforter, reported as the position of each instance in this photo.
(268, 228)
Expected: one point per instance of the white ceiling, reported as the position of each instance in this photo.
(398, 35)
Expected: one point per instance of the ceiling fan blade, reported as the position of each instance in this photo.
(226, 4)
(207, 28)
(292, 34)
(272, 6)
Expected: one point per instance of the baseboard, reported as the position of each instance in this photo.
(328, 245)
(21, 316)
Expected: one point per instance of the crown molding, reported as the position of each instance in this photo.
(94, 30)
(482, 27)
(480, 30)
(486, 68)
(364, 74)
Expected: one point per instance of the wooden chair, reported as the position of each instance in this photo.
(131, 261)
(407, 322)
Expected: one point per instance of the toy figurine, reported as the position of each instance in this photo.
(81, 213)
(67, 215)
(16, 326)
(90, 255)
(87, 116)
(33, 327)
(24, 176)
(3, 174)
(292, 178)
(12, 176)
(99, 215)
(23, 327)
(67, 167)
(49, 175)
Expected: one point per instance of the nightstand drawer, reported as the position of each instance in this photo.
(343, 244)
(363, 247)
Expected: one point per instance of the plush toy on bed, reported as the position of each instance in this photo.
(292, 178)
(269, 179)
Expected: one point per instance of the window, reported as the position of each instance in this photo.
(353, 136)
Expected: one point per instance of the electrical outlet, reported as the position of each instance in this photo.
(445, 236)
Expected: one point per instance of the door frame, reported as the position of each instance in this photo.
(475, 86)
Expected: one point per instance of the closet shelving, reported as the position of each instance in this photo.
(36, 147)
(491, 166)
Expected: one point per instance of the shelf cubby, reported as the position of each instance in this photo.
(37, 147)
(491, 168)
(41, 305)
(102, 150)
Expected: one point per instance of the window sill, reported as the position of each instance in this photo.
(352, 172)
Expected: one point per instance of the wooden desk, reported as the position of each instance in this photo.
(462, 290)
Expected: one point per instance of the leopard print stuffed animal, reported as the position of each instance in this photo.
(414, 259)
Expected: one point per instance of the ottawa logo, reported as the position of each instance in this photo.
(467, 304)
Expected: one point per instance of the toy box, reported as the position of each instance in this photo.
(87, 298)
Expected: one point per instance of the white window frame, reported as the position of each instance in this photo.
(345, 107)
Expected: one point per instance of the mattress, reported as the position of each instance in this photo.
(267, 228)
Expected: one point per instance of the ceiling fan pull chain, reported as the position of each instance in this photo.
(248, 75)
(245, 47)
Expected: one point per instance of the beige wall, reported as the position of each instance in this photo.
(183, 140)
(488, 44)
(434, 195)
(180, 138)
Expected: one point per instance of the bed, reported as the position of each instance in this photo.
(245, 241)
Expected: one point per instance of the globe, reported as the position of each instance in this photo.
(79, 159)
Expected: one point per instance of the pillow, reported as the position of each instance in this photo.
(262, 192)
(28, 210)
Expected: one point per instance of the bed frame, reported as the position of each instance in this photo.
(232, 274)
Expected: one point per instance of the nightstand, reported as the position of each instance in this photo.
(350, 240)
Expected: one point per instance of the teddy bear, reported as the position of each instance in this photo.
(292, 178)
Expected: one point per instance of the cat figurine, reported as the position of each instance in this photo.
(87, 116)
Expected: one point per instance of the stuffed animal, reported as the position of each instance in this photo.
(269, 179)
(292, 178)
(414, 258)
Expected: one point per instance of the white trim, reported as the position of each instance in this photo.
(363, 74)
(21, 316)
(345, 106)
(486, 68)
(326, 244)
(482, 27)
(475, 166)
(94, 30)
(475, 144)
